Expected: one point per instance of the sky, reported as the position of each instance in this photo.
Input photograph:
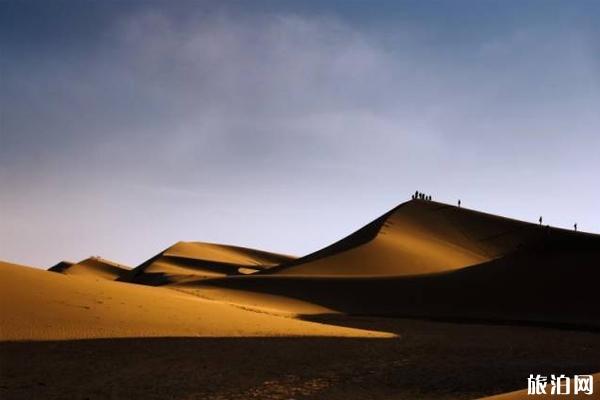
(282, 125)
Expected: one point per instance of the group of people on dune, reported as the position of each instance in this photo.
(421, 196)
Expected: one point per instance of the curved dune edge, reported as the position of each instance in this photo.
(198, 260)
(522, 394)
(555, 286)
(40, 305)
(420, 237)
(92, 267)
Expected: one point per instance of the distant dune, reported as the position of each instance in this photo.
(195, 260)
(93, 267)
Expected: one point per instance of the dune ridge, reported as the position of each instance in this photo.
(429, 260)
(420, 237)
(92, 267)
(197, 260)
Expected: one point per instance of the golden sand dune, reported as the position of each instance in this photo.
(522, 394)
(422, 260)
(194, 260)
(93, 267)
(40, 305)
(555, 285)
(532, 274)
(418, 237)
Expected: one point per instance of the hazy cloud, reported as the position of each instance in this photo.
(284, 130)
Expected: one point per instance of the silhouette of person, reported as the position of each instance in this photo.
(540, 221)
(458, 203)
(575, 226)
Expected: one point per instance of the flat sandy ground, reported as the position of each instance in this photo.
(428, 360)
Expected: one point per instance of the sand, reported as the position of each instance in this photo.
(93, 267)
(196, 260)
(426, 361)
(473, 303)
(42, 305)
(533, 274)
(419, 237)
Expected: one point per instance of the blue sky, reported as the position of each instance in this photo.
(127, 126)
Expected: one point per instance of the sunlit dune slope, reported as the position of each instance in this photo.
(93, 267)
(554, 286)
(41, 305)
(553, 279)
(419, 237)
(193, 260)
(522, 394)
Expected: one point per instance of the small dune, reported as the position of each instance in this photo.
(196, 260)
(93, 267)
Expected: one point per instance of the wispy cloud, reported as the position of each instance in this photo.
(285, 121)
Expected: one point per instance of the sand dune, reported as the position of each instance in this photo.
(421, 260)
(194, 260)
(557, 285)
(93, 267)
(419, 237)
(533, 274)
(40, 305)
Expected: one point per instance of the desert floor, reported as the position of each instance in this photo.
(427, 360)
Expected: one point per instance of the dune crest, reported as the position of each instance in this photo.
(197, 260)
(418, 237)
(92, 267)
(430, 260)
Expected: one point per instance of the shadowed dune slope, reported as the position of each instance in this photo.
(40, 305)
(420, 237)
(554, 281)
(194, 260)
(93, 267)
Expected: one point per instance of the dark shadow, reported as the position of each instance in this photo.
(427, 360)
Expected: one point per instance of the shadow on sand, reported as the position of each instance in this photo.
(428, 360)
